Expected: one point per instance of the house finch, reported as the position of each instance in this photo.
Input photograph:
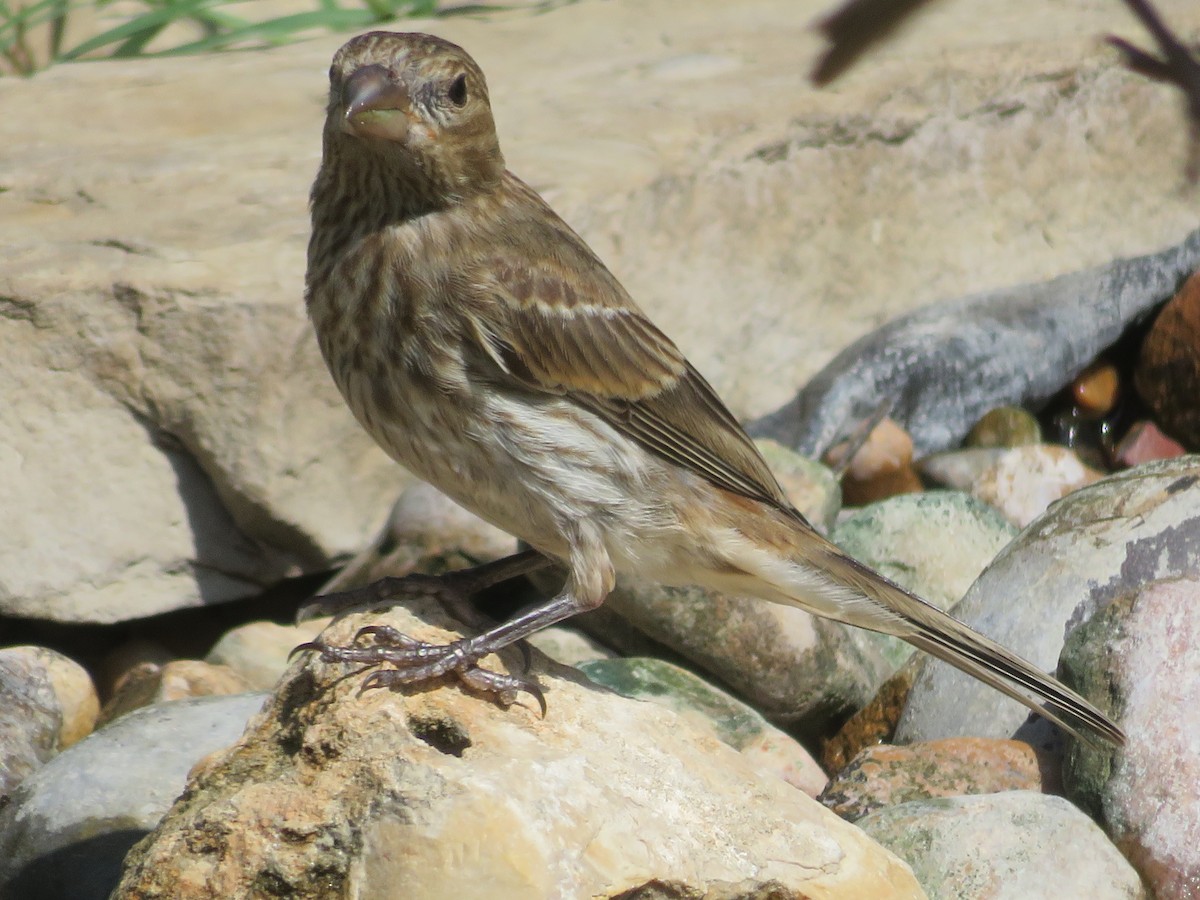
(486, 348)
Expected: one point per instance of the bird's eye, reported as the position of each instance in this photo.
(458, 90)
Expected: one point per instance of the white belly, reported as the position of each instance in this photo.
(540, 469)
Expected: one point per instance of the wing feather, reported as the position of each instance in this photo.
(567, 327)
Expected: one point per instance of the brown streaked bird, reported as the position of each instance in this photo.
(487, 349)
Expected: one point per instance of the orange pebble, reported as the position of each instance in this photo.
(881, 468)
(1096, 388)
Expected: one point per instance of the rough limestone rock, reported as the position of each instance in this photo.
(168, 435)
(439, 793)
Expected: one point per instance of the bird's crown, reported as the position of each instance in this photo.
(418, 106)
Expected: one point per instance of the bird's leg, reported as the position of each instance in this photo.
(450, 587)
(415, 661)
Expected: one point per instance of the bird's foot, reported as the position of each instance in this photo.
(414, 661)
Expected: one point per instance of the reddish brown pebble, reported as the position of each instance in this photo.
(885, 775)
(1168, 370)
(881, 468)
(875, 722)
(1096, 388)
(1145, 443)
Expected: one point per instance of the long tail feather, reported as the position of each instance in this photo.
(900, 613)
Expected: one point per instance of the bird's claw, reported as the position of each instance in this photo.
(414, 661)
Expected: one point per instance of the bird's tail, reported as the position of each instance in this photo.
(867, 599)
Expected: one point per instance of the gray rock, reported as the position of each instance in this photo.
(30, 719)
(66, 830)
(1128, 531)
(1143, 650)
(945, 366)
(1016, 845)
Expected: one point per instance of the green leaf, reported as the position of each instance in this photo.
(153, 21)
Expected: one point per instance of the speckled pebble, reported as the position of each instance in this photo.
(1011, 846)
(1143, 650)
(1026, 480)
(887, 774)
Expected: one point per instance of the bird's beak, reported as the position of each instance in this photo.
(376, 106)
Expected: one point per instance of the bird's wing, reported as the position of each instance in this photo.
(558, 322)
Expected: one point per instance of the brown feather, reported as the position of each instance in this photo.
(487, 348)
(599, 348)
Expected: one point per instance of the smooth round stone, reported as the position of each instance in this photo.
(1004, 426)
(1168, 368)
(1010, 846)
(882, 467)
(68, 827)
(1097, 388)
(935, 544)
(1026, 480)
(886, 775)
(258, 651)
(1123, 533)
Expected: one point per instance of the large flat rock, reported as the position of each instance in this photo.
(168, 435)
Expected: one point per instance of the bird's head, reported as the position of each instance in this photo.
(418, 103)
